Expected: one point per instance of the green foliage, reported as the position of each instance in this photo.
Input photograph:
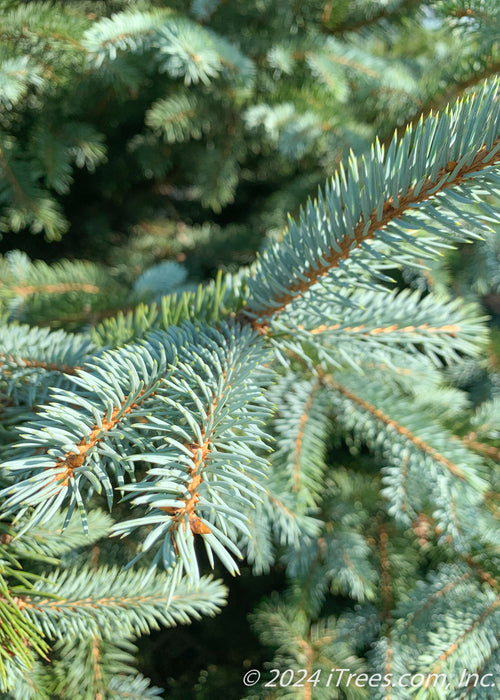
(328, 411)
(111, 109)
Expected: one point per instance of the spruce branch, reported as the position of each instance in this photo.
(402, 430)
(114, 386)
(381, 321)
(405, 446)
(301, 425)
(419, 173)
(487, 450)
(110, 602)
(299, 440)
(93, 668)
(34, 361)
(436, 102)
(463, 637)
(220, 471)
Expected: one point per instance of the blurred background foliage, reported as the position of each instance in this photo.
(117, 151)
